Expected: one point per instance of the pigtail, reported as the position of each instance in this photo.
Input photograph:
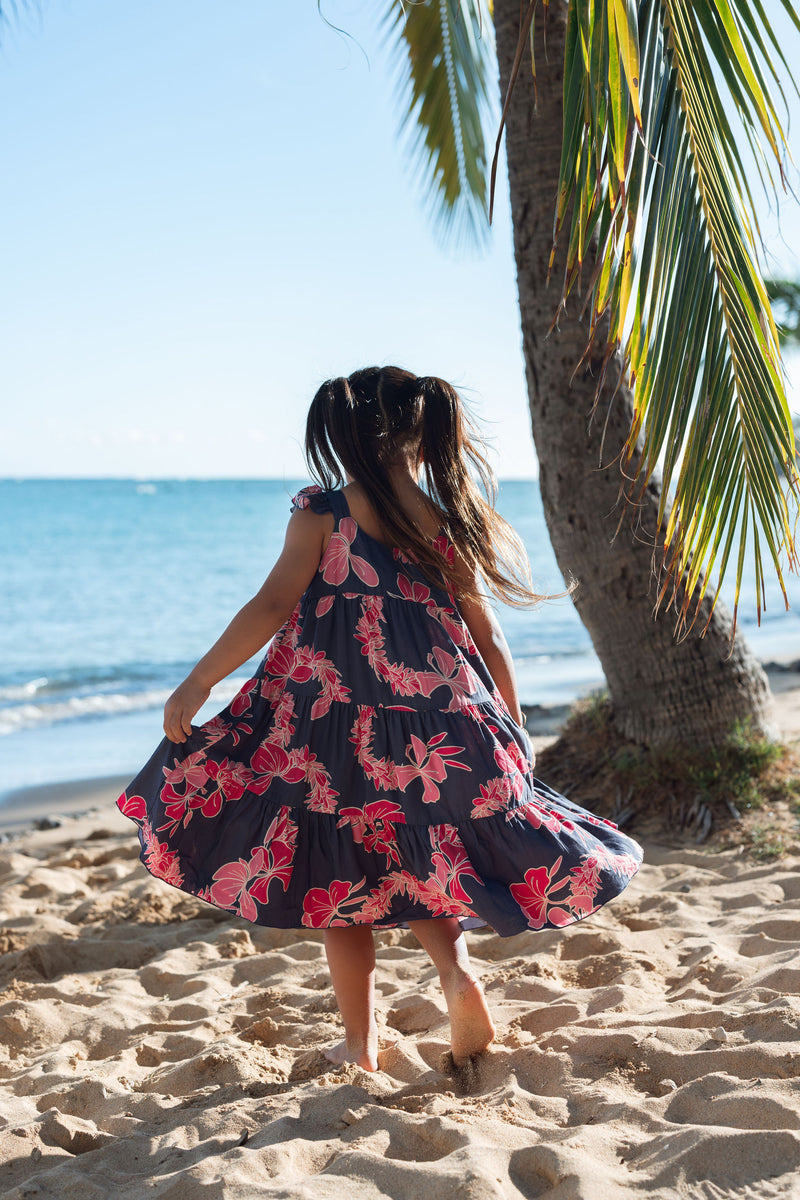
(330, 417)
(363, 423)
(451, 445)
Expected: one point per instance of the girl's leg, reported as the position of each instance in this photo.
(351, 960)
(471, 1027)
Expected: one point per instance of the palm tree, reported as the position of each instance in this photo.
(620, 137)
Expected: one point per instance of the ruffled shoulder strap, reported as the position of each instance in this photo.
(312, 497)
(320, 501)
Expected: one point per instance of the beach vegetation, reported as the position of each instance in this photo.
(634, 135)
(732, 793)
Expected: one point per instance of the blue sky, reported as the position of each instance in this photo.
(206, 213)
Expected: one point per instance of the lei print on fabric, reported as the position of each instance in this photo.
(429, 764)
(370, 772)
(446, 669)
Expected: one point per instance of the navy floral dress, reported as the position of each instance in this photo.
(370, 773)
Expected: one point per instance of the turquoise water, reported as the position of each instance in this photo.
(113, 588)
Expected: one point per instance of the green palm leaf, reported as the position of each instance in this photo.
(446, 51)
(678, 280)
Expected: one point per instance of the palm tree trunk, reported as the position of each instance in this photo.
(661, 690)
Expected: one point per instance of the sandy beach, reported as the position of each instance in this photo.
(154, 1046)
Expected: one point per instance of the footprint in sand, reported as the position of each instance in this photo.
(416, 1014)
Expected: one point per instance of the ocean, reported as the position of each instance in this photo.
(111, 590)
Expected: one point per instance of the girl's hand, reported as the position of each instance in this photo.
(182, 705)
(256, 623)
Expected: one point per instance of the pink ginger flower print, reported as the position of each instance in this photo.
(282, 728)
(534, 896)
(584, 884)
(623, 864)
(324, 605)
(380, 898)
(430, 765)
(509, 765)
(162, 862)
(398, 676)
(511, 758)
(322, 906)
(338, 559)
(216, 729)
(494, 796)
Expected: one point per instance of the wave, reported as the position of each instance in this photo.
(20, 716)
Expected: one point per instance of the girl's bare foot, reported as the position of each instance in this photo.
(365, 1056)
(471, 1026)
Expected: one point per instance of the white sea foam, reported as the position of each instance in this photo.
(99, 704)
(23, 691)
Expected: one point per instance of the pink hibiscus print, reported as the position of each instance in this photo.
(303, 498)
(413, 591)
(270, 761)
(132, 806)
(451, 864)
(190, 770)
(373, 825)
(445, 547)
(430, 765)
(322, 906)
(236, 883)
(338, 559)
(533, 896)
(216, 729)
(242, 701)
(229, 889)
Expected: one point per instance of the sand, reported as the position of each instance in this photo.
(153, 1046)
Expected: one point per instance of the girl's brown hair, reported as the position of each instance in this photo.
(366, 422)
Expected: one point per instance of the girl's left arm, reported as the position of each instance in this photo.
(255, 623)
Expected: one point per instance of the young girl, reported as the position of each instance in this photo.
(375, 771)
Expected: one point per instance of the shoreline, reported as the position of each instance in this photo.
(23, 808)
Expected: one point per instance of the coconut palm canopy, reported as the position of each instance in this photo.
(652, 176)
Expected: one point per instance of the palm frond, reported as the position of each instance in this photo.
(446, 48)
(651, 165)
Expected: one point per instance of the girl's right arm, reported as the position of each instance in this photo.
(254, 624)
(484, 628)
